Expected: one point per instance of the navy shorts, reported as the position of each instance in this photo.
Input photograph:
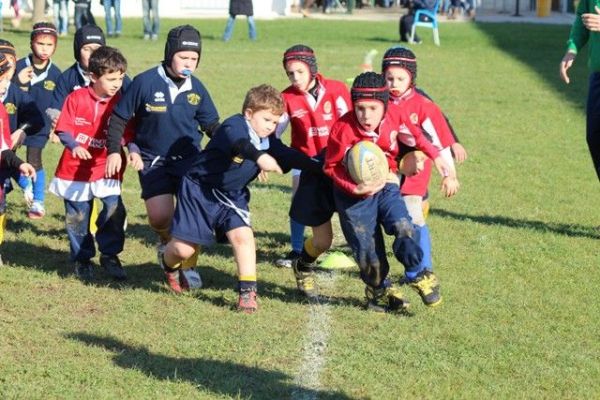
(201, 214)
(162, 175)
(313, 203)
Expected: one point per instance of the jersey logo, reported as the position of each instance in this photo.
(49, 85)
(10, 108)
(414, 118)
(318, 131)
(159, 97)
(193, 99)
(327, 107)
(151, 108)
(299, 113)
(237, 159)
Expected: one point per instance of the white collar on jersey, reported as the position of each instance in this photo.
(84, 74)
(42, 76)
(173, 89)
(3, 95)
(257, 141)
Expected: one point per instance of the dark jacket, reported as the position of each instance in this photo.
(241, 7)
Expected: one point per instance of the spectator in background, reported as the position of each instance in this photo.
(61, 16)
(240, 7)
(407, 21)
(83, 13)
(118, 27)
(151, 25)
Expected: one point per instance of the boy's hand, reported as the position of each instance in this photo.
(443, 168)
(459, 152)
(592, 20)
(25, 75)
(268, 164)
(81, 153)
(263, 177)
(450, 186)
(565, 64)
(27, 170)
(135, 160)
(369, 189)
(17, 138)
(113, 164)
(53, 137)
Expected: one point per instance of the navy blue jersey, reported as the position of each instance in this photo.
(22, 110)
(72, 79)
(221, 166)
(41, 90)
(167, 118)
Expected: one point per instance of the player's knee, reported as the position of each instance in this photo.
(181, 251)
(322, 244)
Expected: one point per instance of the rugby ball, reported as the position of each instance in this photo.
(412, 163)
(367, 163)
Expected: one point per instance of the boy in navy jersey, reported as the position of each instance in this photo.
(9, 162)
(25, 117)
(80, 175)
(214, 196)
(364, 209)
(313, 103)
(37, 75)
(171, 107)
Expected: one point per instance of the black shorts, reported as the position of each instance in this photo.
(162, 175)
(313, 203)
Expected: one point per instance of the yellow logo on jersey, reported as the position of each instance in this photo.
(152, 108)
(49, 85)
(193, 99)
(414, 118)
(237, 159)
(10, 108)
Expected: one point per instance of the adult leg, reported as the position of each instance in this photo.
(251, 28)
(118, 19)
(146, 19)
(593, 120)
(229, 28)
(108, 5)
(155, 19)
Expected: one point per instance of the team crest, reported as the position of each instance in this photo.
(414, 118)
(159, 96)
(10, 108)
(327, 107)
(49, 85)
(193, 99)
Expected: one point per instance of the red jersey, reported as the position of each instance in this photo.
(311, 119)
(5, 139)
(394, 128)
(85, 116)
(426, 114)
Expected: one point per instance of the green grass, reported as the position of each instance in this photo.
(516, 250)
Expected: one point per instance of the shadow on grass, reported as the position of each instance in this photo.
(561, 229)
(220, 377)
(541, 47)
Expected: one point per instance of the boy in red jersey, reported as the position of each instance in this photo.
(399, 66)
(80, 174)
(313, 104)
(366, 208)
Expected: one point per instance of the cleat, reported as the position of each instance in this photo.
(247, 302)
(112, 266)
(287, 260)
(386, 299)
(427, 286)
(172, 275)
(84, 270)
(305, 280)
(36, 211)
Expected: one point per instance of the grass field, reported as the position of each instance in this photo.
(516, 250)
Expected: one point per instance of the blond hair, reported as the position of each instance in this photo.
(264, 97)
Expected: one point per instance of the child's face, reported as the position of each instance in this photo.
(10, 73)
(369, 113)
(85, 52)
(4, 84)
(398, 80)
(43, 46)
(299, 75)
(184, 61)
(108, 84)
(263, 122)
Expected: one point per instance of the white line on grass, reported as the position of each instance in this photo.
(307, 380)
